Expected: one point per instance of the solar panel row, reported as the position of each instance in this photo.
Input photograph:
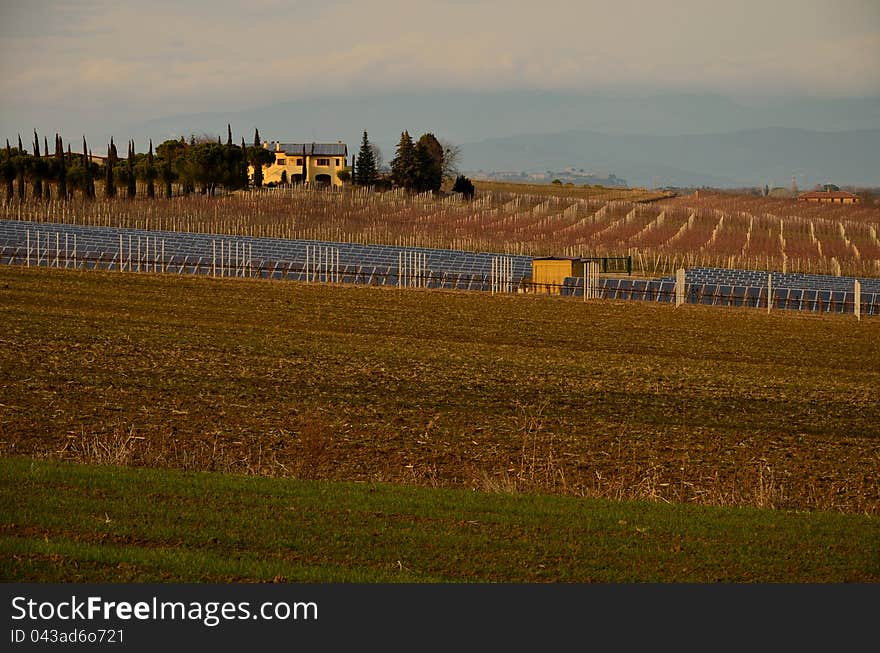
(716, 294)
(779, 279)
(196, 253)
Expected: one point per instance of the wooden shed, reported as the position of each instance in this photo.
(549, 272)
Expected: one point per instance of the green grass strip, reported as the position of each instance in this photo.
(64, 522)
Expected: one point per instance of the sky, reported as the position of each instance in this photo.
(71, 63)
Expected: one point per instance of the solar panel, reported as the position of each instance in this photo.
(708, 294)
(810, 300)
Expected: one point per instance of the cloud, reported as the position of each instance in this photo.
(170, 56)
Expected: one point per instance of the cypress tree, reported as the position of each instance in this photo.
(62, 168)
(47, 168)
(109, 182)
(36, 170)
(244, 165)
(20, 169)
(305, 167)
(151, 173)
(91, 177)
(69, 159)
(9, 173)
(258, 167)
(354, 168)
(132, 182)
(89, 185)
(367, 174)
(85, 165)
(228, 134)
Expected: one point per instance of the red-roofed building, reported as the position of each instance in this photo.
(830, 196)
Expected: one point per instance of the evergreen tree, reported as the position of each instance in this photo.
(37, 169)
(464, 186)
(354, 168)
(132, 181)
(62, 168)
(109, 181)
(150, 173)
(88, 178)
(255, 161)
(403, 163)
(366, 171)
(228, 134)
(7, 168)
(20, 169)
(84, 164)
(49, 168)
(91, 175)
(232, 158)
(169, 153)
(428, 164)
(168, 178)
(244, 165)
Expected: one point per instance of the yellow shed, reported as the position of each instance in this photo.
(549, 272)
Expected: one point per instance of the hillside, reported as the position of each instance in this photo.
(744, 158)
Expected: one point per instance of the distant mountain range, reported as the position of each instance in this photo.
(744, 158)
(647, 139)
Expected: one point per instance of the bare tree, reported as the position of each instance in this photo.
(377, 157)
(451, 158)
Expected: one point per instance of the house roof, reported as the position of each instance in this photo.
(825, 194)
(313, 149)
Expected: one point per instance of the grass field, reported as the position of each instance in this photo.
(621, 400)
(109, 524)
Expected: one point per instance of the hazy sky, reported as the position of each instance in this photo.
(151, 58)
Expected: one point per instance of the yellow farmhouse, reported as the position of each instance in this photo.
(315, 164)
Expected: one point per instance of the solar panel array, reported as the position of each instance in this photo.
(778, 279)
(195, 253)
(723, 287)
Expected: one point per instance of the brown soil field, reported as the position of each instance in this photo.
(512, 393)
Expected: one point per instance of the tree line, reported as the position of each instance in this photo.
(419, 166)
(203, 165)
(196, 165)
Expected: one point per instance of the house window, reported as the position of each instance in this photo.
(281, 162)
(323, 162)
(299, 162)
(337, 162)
